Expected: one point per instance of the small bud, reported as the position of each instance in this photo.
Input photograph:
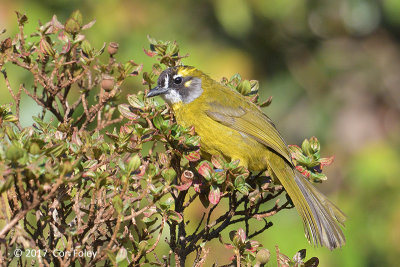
(112, 48)
(87, 48)
(77, 16)
(10, 118)
(107, 83)
(314, 144)
(262, 256)
(254, 85)
(72, 26)
(305, 146)
(34, 149)
(46, 48)
(244, 87)
(172, 49)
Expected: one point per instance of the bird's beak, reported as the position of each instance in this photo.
(157, 91)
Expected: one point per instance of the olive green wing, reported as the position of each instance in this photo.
(246, 118)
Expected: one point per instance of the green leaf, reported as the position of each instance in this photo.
(14, 153)
(155, 190)
(121, 255)
(158, 121)
(149, 221)
(243, 189)
(169, 175)
(239, 181)
(11, 132)
(117, 203)
(56, 150)
(89, 164)
(219, 177)
(111, 256)
(244, 87)
(151, 170)
(166, 204)
(133, 164)
(233, 164)
(135, 102)
(7, 184)
(193, 141)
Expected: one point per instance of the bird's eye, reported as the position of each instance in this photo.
(178, 80)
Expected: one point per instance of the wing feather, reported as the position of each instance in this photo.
(251, 121)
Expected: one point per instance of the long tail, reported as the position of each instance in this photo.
(321, 218)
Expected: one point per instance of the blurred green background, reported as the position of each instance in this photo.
(332, 67)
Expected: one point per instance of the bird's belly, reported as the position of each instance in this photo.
(218, 139)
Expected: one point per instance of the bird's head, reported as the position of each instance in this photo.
(179, 84)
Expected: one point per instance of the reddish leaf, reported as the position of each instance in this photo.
(303, 171)
(187, 180)
(282, 259)
(56, 24)
(218, 162)
(174, 216)
(228, 246)
(89, 25)
(215, 195)
(66, 48)
(126, 112)
(296, 152)
(253, 246)
(205, 170)
(76, 139)
(196, 187)
(184, 187)
(326, 161)
(193, 156)
(149, 52)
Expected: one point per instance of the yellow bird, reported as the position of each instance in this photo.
(231, 126)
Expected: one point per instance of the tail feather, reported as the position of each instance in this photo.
(326, 214)
(321, 218)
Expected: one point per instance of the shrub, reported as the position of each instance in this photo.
(73, 185)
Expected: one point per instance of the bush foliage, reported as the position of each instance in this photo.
(117, 180)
